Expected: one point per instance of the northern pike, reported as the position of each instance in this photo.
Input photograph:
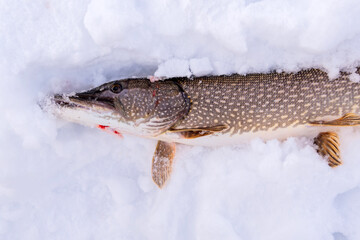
(218, 110)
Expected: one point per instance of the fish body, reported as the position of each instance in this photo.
(265, 106)
(218, 110)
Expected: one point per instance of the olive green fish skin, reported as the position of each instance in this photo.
(263, 102)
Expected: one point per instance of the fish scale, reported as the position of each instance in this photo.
(266, 102)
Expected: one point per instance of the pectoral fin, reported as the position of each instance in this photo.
(162, 162)
(349, 119)
(328, 146)
(190, 133)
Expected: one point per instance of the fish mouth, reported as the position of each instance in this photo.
(84, 101)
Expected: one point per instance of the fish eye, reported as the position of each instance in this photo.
(116, 88)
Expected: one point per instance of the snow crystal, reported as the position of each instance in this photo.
(200, 66)
(173, 68)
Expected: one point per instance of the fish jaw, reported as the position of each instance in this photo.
(88, 113)
(93, 114)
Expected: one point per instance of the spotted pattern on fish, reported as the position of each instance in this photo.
(267, 101)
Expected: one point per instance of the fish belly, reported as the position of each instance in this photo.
(219, 139)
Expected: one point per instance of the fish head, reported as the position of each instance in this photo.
(134, 106)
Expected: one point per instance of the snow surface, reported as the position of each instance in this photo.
(63, 181)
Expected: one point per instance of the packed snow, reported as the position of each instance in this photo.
(60, 180)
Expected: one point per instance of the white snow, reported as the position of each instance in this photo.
(200, 66)
(60, 180)
(173, 68)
